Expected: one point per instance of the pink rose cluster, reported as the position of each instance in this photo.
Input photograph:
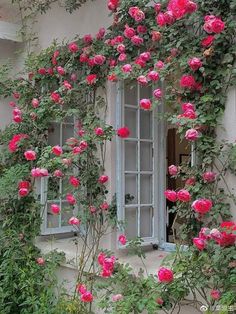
(39, 172)
(182, 195)
(188, 111)
(85, 295)
(107, 263)
(137, 14)
(17, 115)
(224, 236)
(176, 9)
(15, 141)
(213, 24)
(23, 188)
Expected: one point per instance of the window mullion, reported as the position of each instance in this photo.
(139, 168)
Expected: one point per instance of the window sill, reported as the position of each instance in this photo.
(152, 261)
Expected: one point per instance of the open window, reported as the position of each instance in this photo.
(137, 199)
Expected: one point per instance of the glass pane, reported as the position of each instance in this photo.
(67, 132)
(54, 134)
(130, 189)
(146, 189)
(131, 156)
(146, 163)
(66, 213)
(53, 188)
(131, 93)
(131, 121)
(52, 219)
(145, 92)
(131, 222)
(145, 124)
(146, 218)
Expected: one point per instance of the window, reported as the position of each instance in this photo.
(53, 190)
(137, 167)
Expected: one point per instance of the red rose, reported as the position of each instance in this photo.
(165, 275)
(202, 206)
(55, 97)
(91, 79)
(183, 195)
(103, 179)
(187, 81)
(123, 132)
(145, 104)
(199, 243)
(57, 150)
(171, 195)
(195, 63)
(30, 155)
(136, 40)
(74, 181)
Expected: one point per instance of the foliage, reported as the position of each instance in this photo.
(70, 79)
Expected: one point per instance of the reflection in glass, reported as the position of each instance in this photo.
(131, 229)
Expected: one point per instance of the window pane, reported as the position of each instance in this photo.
(145, 124)
(67, 132)
(66, 213)
(145, 92)
(130, 189)
(53, 192)
(54, 134)
(146, 217)
(146, 156)
(130, 93)
(131, 121)
(130, 156)
(52, 219)
(146, 189)
(131, 221)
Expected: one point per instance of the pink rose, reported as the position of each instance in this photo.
(161, 19)
(58, 173)
(35, 103)
(209, 176)
(157, 93)
(171, 195)
(173, 170)
(157, 7)
(215, 234)
(92, 209)
(190, 181)
(129, 32)
(99, 131)
(67, 85)
(99, 59)
(74, 181)
(142, 80)
(57, 150)
(91, 79)
(213, 24)
(23, 192)
(101, 258)
(165, 275)
(74, 221)
(103, 179)
(187, 81)
(30, 155)
(101, 33)
(122, 239)
(123, 132)
(36, 172)
(88, 39)
(145, 56)
(117, 297)
(145, 104)
(42, 71)
(215, 294)
(199, 243)
(202, 206)
(204, 234)
(55, 209)
(70, 199)
(189, 114)
(73, 47)
(153, 76)
(207, 41)
(61, 70)
(122, 57)
(187, 106)
(195, 63)
(159, 64)
(136, 40)
(191, 135)
(55, 97)
(81, 288)
(183, 195)
(86, 297)
(104, 206)
(156, 36)
(40, 261)
(121, 48)
(112, 4)
(127, 68)
(141, 29)
(159, 301)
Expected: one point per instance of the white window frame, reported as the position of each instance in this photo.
(45, 202)
(120, 165)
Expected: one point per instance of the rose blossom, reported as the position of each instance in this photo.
(142, 80)
(161, 19)
(103, 179)
(35, 103)
(57, 150)
(145, 104)
(202, 206)
(187, 106)
(199, 243)
(99, 131)
(159, 64)
(207, 41)
(123, 132)
(153, 76)
(157, 93)
(70, 199)
(58, 173)
(173, 170)
(195, 63)
(190, 181)
(73, 47)
(141, 29)
(215, 294)
(209, 176)
(127, 68)
(171, 195)
(122, 239)
(187, 81)
(55, 209)
(86, 297)
(61, 70)
(91, 79)
(23, 192)
(191, 135)
(213, 24)
(104, 206)
(204, 233)
(215, 234)
(122, 57)
(136, 40)
(129, 32)
(165, 275)
(74, 221)
(112, 4)
(40, 261)
(183, 195)
(74, 181)
(117, 297)
(159, 301)
(156, 36)
(81, 288)
(55, 97)
(99, 59)
(30, 155)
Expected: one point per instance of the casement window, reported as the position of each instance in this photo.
(137, 164)
(53, 190)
